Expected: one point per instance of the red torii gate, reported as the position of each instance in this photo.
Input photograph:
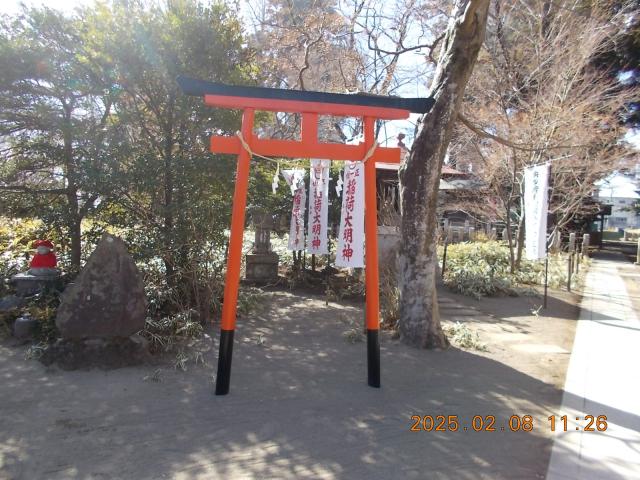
(310, 104)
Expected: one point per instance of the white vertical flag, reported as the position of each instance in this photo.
(318, 207)
(536, 182)
(295, 179)
(351, 237)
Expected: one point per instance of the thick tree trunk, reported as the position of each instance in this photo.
(420, 177)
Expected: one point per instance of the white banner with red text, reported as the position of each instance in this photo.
(350, 251)
(318, 207)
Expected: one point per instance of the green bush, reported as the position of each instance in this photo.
(16, 237)
(41, 307)
(464, 337)
(172, 331)
(479, 269)
(558, 272)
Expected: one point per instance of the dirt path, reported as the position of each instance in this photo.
(299, 405)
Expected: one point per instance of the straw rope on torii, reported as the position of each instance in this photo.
(246, 146)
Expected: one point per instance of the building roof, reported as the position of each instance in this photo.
(387, 166)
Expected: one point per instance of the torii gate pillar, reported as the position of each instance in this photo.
(372, 279)
(232, 281)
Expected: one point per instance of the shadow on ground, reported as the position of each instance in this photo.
(616, 251)
(299, 407)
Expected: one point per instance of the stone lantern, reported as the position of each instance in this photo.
(262, 262)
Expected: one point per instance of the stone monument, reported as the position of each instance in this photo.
(262, 262)
(101, 312)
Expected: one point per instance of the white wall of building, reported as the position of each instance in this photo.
(621, 191)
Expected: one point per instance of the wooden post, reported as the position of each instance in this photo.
(232, 282)
(546, 279)
(638, 253)
(372, 280)
(572, 242)
(585, 244)
(601, 231)
(444, 258)
(569, 270)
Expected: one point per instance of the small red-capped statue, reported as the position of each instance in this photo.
(44, 261)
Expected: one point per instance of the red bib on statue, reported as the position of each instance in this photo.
(47, 260)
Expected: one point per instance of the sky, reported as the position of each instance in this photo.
(617, 185)
(13, 6)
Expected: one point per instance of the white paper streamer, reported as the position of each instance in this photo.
(275, 181)
(339, 184)
(295, 179)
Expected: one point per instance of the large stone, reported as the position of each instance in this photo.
(107, 299)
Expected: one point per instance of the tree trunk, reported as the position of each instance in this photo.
(512, 255)
(75, 229)
(514, 181)
(168, 207)
(420, 177)
(74, 219)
